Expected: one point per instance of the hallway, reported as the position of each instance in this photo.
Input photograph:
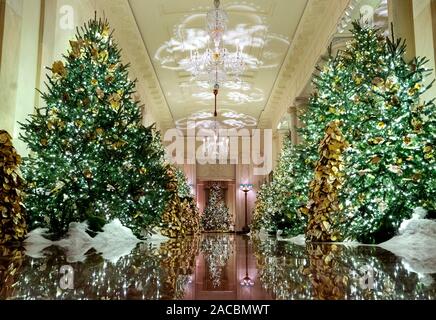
(218, 150)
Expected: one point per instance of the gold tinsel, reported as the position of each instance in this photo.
(323, 207)
(181, 216)
(328, 279)
(12, 223)
(178, 258)
(11, 260)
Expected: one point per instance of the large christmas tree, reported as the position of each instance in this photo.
(389, 166)
(13, 227)
(216, 216)
(277, 203)
(91, 159)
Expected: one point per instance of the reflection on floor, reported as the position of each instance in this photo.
(215, 266)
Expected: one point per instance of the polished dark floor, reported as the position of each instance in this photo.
(215, 266)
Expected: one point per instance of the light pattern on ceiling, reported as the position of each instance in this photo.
(233, 97)
(228, 119)
(186, 39)
(171, 28)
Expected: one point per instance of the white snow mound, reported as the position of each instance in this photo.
(113, 242)
(416, 244)
(157, 237)
(298, 240)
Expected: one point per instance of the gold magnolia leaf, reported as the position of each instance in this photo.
(58, 68)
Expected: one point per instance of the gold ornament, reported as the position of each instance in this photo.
(415, 89)
(109, 78)
(378, 82)
(381, 125)
(112, 68)
(105, 32)
(78, 123)
(87, 174)
(375, 159)
(357, 79)
(76, 48)
(416, 124)
(376, 140)
(103, 56)
(427, 149)
(114, 100)
(94, 51)
(58, 69)
(100, 93)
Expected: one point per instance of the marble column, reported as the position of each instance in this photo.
(424, 13)
(401, 16)
(293, 124)
(19, 66)
(298, 108)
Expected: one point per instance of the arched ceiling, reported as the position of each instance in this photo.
(171, 28)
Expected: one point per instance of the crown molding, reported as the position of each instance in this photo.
(314, 33)
(129, 38)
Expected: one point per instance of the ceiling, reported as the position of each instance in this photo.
(171, 28)
(377, 9)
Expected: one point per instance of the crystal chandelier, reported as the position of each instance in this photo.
(216, 64)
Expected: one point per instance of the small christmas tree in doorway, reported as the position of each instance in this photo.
(216, 216)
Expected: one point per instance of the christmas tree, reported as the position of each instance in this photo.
(13, 225)
(322, 271)
(181, 216)
(216, 216)
(184, 189)
(324, 208)
(91, 159)
(217, 250)
(148, 272)
(277, 203)
(389, 166)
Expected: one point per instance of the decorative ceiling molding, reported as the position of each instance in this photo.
(171, 28)
(316, 29)
(128, 36)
